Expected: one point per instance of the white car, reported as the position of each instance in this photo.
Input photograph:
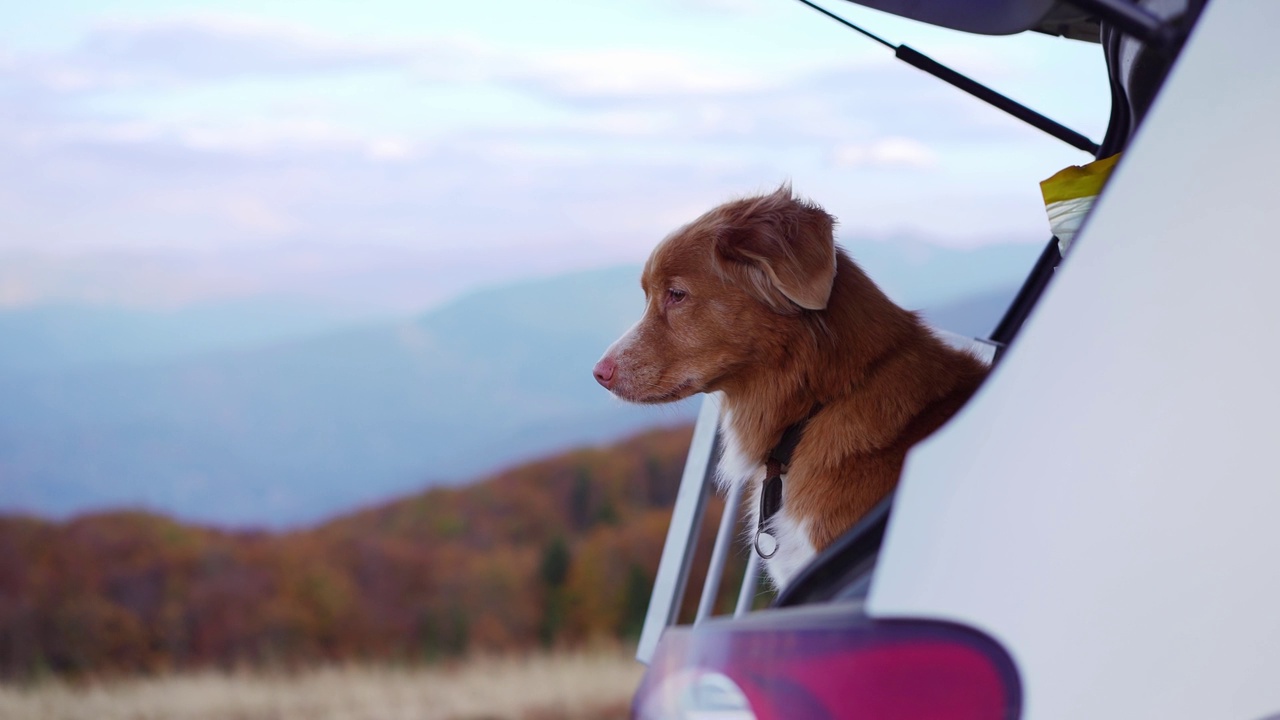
(1097, 534)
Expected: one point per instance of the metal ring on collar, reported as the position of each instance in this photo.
(773, 551)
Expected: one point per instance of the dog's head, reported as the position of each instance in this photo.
(724, 295)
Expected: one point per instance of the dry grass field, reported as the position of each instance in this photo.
(587, 685)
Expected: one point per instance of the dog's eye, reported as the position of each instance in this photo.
(674, 296)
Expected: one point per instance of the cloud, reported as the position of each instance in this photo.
(719, 7)
(567, 159)
(209, 48)
(200, 48)
(889, 152)
(633, 74)
(835, 104)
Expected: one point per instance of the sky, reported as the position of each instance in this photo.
(391, 154)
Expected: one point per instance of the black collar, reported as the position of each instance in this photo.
(771, 494)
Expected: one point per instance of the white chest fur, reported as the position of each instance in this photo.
(794, 548)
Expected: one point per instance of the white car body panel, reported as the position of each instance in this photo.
(1108, 506)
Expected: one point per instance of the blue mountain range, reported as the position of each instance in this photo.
(271, 415)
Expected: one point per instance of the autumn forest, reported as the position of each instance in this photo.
(556, 553)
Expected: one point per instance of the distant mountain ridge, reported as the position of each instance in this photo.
(56, 338)
(286, 433)
(284, 428)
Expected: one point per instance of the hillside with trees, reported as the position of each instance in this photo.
(558, 552)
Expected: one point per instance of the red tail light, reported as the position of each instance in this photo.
(801, 665)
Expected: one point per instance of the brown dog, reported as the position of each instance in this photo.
(755, 300)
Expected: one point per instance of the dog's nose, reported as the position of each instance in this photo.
(604, 371)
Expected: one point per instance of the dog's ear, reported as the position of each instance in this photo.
(786, 244)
